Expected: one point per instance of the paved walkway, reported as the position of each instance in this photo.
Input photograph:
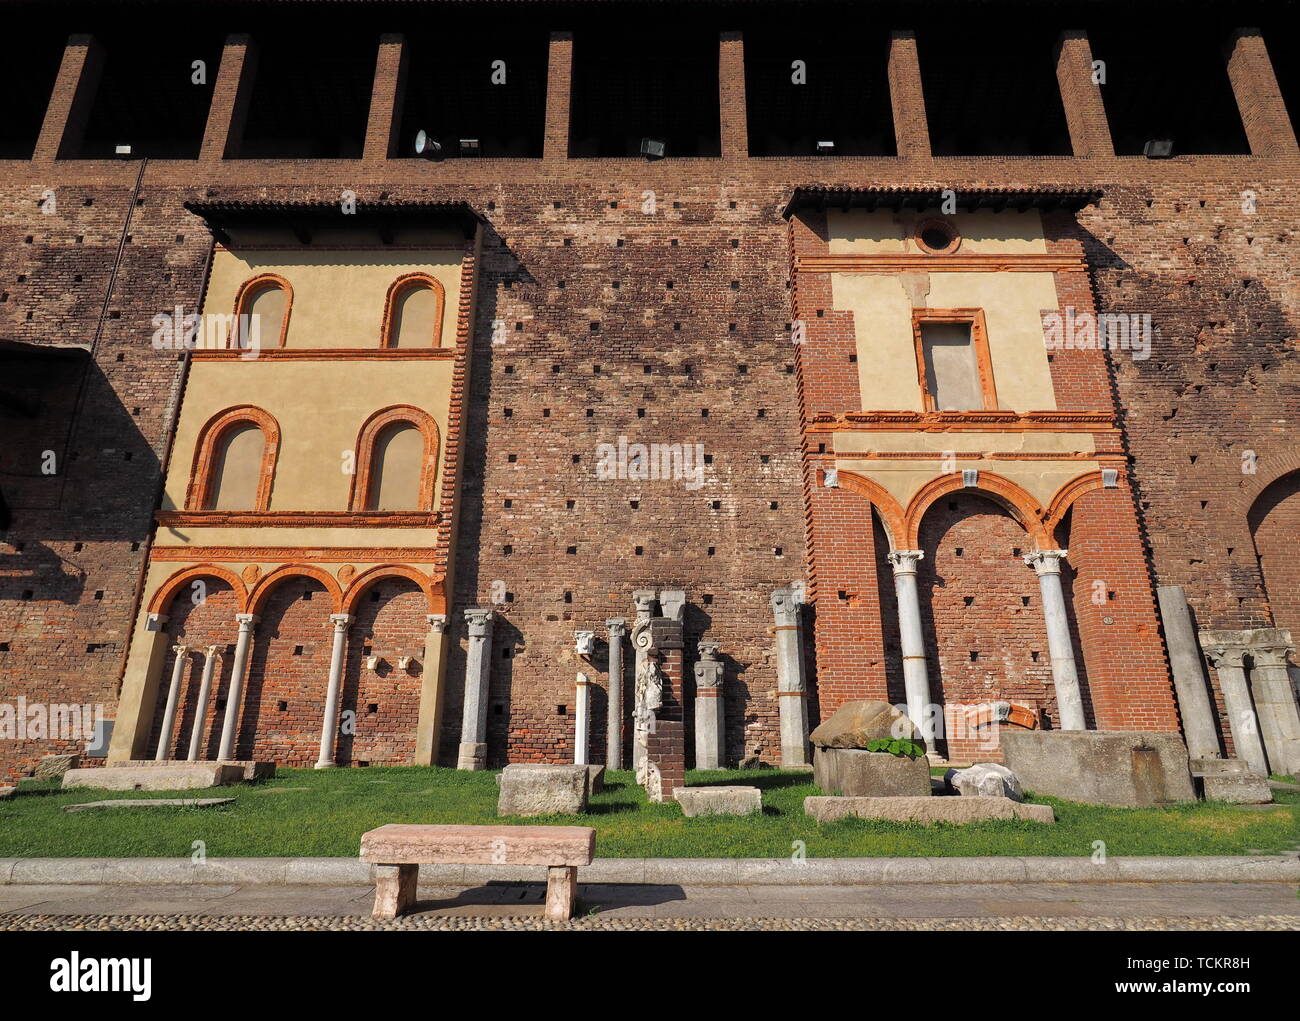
(601, 906)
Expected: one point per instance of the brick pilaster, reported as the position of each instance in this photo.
(70, 102)
(559, 79)
(911, 129)
(231, 95)
(731, 96)
(1263, 111)
(1085, 113)
(386, 99)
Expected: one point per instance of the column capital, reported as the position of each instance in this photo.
(644, 599)
(785, 607)
(583, 679)
(617, 627)
(245, 620)
(437, 622)
(672, 603)
(479, 619)
(155, 621)
(180, 649)
(904, 561)
(1045, 561)
(1272, 655)
(340, 620)
(212, 652)
(709, 651)
(1231, 656)
(584, 642)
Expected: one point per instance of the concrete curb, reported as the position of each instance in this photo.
(657, 871)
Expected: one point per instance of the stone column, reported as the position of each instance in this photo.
(329, 727)
(230, 726)
(916, 674)
(429, 725)
(210, 657)
(710, 718)
(1065, 675)
(790, 689)
(478, 666)
(173, 697)
(1226, 653)
(614, 722)
(644, 599)
(581, 720)
(1189, 674)
(1270, 682)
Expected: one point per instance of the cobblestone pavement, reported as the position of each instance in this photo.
(461, 923)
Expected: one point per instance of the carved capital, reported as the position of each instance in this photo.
(617, 628)
(644, 600)
(479, 620)
(340, 621)
(904, 561)
(1229, 656)
(437, 622)
(785, 607)
(1045, 561)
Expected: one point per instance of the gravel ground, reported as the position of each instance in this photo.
(248, 923)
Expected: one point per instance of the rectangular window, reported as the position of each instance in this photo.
(952, 358)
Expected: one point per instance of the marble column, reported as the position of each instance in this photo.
(710, 719)
(329, 727)
(644, 599)
(210, 657)
(1275, 704)
(1189, 674)
(1065, 675)
(614, 717)
(230, 726)
(472, 754)
(916, 673)
(1228, 657)
(173, 699)
(792, 697)
(581, 720)
(429, 724)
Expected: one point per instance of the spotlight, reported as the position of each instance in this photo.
(825, 148)
(1158, 149)
(426, 145)
(470, 147)
(652, 148)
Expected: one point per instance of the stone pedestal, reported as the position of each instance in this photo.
(1101, 767)
(854, 772)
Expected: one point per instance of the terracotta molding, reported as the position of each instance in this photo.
(337, 354)
(432, 587)
(397, 290)
(921, 263)
(891, 512)
(1023, 507)
(362, 480)
(257, 597)
(297, 519)
(244, 296)
(965, 421)
(199, 492)
(979, 341)
(954, 241)
(1068, 494)
(168, 590)
(282, 554)
(1283, 464)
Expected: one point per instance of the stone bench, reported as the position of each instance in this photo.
(399, 849)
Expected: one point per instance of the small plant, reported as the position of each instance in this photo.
(896, 746)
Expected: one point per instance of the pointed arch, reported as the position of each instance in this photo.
(398, 292)
(168, 590)
(1016, 501)
(208, 448)
(257, 598)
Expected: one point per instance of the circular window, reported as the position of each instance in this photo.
(937, 237)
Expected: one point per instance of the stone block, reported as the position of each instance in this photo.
(420, 844)
(856, 773)
(985, 779)
(595, 781)
(7, 792)
(925, 810)
(166, 777)
(150, 803)
(1237, 788)
(1219, 767)
(857, 724)
(1101, 767)
(543, 790)
(719, 801)
(52, 767)
(252, 770)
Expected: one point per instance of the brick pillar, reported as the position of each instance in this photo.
(1263, 112)
(666, 742)
(1085, 113)
(231, 94)
(731, 96)
(70, 101)
(911, 129)
(559, 80)
(386, 100)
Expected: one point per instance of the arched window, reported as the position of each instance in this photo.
(234, 462)
(397, 461)
(413, 312)
(262, 311)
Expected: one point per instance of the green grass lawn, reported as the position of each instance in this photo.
(305, 812)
